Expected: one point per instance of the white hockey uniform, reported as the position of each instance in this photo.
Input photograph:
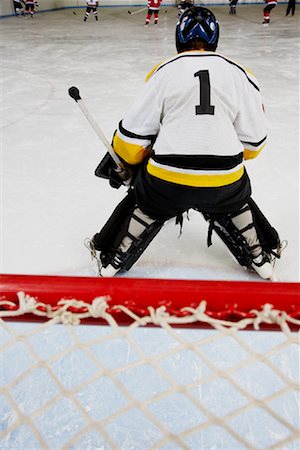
(204, 114)
(92, 6)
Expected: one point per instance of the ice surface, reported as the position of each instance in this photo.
(51, 200)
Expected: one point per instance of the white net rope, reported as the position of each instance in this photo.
(137, 387)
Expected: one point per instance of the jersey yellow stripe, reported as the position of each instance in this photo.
(195, 180)
(151, 72)
(251, 154)
(130, 153)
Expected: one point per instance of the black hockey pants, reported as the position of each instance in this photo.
(162, 200)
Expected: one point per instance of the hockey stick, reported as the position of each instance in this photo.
(138, 11)
(74, 93)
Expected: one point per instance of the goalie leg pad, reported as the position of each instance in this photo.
(124, 237)
(249, 237)
(231, 236)
(133, 237)
(243, 221)
(267, 235)
(105, 239)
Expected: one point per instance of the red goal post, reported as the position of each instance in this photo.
(125, 298)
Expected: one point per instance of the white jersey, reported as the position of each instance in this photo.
(204, 114)
(92, 3)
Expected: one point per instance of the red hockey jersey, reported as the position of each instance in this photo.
(154, 4)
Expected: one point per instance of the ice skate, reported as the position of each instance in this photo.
(115, 265)
(263, 266)
(108, 272)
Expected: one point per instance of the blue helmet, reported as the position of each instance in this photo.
(197, 23)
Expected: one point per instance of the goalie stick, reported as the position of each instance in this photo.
(75, 94)
(138, 11)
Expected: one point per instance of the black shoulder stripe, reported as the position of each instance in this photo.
(255, 144)
(207, 56)
(150, 137)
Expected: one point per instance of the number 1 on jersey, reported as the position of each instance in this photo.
(205, 107)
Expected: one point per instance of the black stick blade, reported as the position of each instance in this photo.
(74, 93)
(129, 12)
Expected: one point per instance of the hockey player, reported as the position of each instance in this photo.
(232, 6)
(184, 142)
(183, 5)
(30, 7)
(91, 5)
(270, 4)
(153, 8)
(19, 10)
(291, 7)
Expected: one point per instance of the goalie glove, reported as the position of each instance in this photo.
(117, 177)
(107, 169)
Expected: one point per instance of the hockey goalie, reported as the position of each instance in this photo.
(183, 144)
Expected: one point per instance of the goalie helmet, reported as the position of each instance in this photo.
(197, 23)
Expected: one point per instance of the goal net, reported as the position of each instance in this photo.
(90, 364)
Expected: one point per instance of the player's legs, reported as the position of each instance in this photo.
(95, 13)
(124, 237)
(136, 236)
(229, 210)
(244, 222)
(87, 13)
(18, 8)
(291, 7)
(232, 5)
(266, 11)
(148, 16)
(250, 238)
(27, 10)
(31, 11)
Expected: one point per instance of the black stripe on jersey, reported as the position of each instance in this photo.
(255, 144)
(150, 137)
(196, 162)
(208, 55)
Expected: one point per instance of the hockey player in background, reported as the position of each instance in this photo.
(183, 5)
(270, 4)
(183, 142)
(91, 6)
(18, 6)
(232, 6)
(153, 8)
(291, 7)
(30, 6)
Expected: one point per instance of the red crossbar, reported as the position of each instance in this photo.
(228, 300)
